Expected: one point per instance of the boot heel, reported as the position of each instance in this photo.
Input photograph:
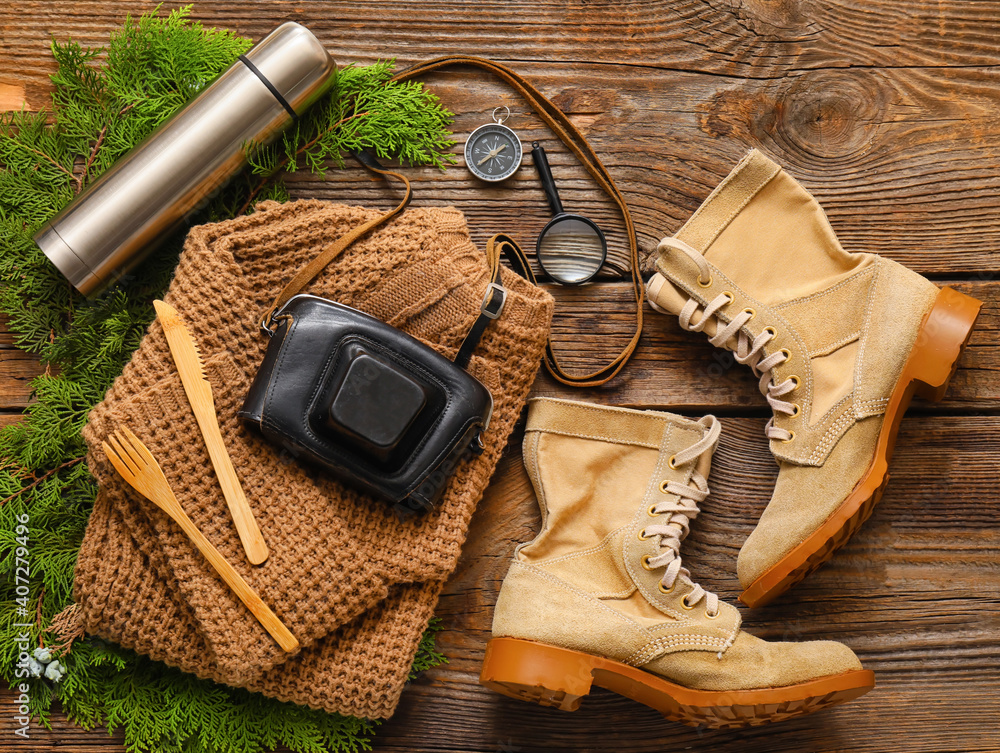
(537, 672)
(940, 342)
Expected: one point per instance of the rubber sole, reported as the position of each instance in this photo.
(929, 368)
(560, 678)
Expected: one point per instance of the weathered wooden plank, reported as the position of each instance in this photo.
(899, 150)
(886, 113)
(606, 722)
(6, 336)
(907, 189)
(64, 735)
(752, 39)
(17, 369)
(12, 97)
(670, 366)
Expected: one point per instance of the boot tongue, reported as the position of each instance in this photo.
(704, 464)
(767, 235)
(730, 199)
(664, 296)
(707, 223)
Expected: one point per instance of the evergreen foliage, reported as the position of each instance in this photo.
(106, 100)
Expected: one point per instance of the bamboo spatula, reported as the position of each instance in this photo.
(199, 394)
(139, 468)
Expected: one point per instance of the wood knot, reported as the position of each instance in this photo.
(767, 17)
(824, 114)
(830, 114)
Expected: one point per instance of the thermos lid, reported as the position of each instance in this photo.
(66, 260)
(292, 61)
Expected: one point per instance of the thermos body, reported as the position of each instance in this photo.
(120, 217)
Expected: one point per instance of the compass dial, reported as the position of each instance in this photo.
(493, 152)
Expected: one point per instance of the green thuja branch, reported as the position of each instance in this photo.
(427, 654)
(365, 110)
(105, 101)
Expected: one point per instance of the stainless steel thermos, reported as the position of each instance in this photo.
(112, 225)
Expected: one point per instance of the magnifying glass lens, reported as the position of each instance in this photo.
(571, 250)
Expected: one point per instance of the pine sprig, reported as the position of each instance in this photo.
(151, 67)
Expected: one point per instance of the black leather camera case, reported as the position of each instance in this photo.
(365, 401)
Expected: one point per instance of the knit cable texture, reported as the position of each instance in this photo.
(354, 581)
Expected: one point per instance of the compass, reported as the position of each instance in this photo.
(493, 151)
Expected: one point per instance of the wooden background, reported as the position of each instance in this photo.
(890, 113)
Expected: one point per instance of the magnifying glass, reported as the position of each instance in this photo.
(571, 248)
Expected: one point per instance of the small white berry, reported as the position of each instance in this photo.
(54, 671)
(42, 654)
(35, 667)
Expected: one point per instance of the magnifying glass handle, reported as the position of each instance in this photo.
(545, 174)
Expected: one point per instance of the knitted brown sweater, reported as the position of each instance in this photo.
(354, 582)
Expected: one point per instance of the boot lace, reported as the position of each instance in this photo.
(682, 511)
(749, 352)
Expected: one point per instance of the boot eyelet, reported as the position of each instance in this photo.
(645, 562)
(704, 284)
(752, 312)
(663, 487)
(672, 463)
(730, 296)
(684, 603)
(797, 411)
(651, 511)
(798, 382)
(711, 616)
(642, 536)
(664, 590)
(786, 353)
(790, 438)
(773, 332)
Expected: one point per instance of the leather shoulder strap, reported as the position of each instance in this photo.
(570, 135)
(331, 252)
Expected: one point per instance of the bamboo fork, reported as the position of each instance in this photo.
(139, 468)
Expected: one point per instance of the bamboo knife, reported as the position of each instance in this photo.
(199, 394)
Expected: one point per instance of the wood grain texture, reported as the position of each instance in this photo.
(678, 368)
(897, 139)
(888, 114)
(12, 97)
(17, 369)
(671, 366)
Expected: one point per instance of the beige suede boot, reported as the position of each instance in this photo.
(600, 596)
(840, 341)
